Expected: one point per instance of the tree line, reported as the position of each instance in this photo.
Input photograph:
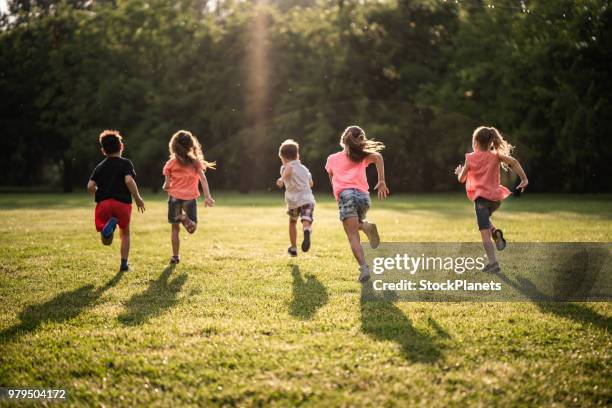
(243, 76)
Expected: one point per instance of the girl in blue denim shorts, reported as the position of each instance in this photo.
(347, 173)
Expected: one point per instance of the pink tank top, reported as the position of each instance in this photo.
(483, 178)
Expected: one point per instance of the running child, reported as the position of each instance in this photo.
(298, 193)
(347, 173)
(481, 175)
(113, 186)
(183, 172)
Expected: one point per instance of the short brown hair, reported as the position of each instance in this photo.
(110, 141)
(289, 149)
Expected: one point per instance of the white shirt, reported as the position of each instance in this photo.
(297, 185)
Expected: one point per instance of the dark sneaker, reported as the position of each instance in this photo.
(492, 268)
(292, 251)
(306, 241)
(364, 273)
(498, 237)
(174, 260)
(109, 227)
(124, 267)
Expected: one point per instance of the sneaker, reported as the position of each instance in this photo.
(109, 228)
(174, 260)
(492, 268)
(124, 267)
(292, 251)
(364, 273)
(306, 241)
(371, 232)
(498, 238)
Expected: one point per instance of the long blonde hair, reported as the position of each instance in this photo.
(357, 145)
(186, 148)
(489, 138)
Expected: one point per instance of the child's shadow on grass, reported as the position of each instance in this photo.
(161, 295)
(64, 306)
(382, 320)
(308, 295)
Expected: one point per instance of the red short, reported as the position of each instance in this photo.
(112, 208)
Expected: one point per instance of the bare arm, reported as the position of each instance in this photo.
(284, 176)
(461, 172)
(166, 185)
(131, 185)
(208, 200)
(381, 185)
(92, 187)
(517, 168)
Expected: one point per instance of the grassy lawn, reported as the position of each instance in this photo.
(239, 323)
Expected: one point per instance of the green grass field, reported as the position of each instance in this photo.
(239, 323)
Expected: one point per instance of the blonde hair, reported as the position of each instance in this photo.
(489, 138)
(357, 145)
(186, 148)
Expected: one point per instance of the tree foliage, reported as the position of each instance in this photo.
(245, 75)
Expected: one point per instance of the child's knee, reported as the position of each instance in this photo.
(292, 221)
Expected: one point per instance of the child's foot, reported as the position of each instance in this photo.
(174, 260)
(498, 237)
(306, 241)
(492, 267)
(371, 232)
(292, 251)
(109, 230)
(364, 273)
(124, 266)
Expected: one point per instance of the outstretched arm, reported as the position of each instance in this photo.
(517, 168)
(131, 185)
(208, 200)
(381, 185)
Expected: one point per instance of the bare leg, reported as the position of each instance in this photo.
(306, 225)
(175, 239)
(125, 242)
(487, 243)
(293, 233)
(351, 227)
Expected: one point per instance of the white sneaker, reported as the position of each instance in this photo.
(364, 273)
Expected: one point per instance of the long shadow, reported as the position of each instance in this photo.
(64, 306)
(384, 321)
(547, 304)
(161, 295)
(308, 295)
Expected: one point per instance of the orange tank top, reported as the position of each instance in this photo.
(483, 179)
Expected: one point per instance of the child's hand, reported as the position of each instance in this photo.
(458, 170)
(209, 202)
(279, 183)
(383, 190)
(140, 204)
(523, 185)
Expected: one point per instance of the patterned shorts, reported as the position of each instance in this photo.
(304, 212)
(176, 207)
(353, 203)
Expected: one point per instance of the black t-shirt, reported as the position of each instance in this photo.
(109, 176)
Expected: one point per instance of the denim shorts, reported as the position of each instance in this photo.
(353, 203)
(177, 206)
(484, 209)
(304, 212)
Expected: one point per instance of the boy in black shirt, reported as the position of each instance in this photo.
(112, 183)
